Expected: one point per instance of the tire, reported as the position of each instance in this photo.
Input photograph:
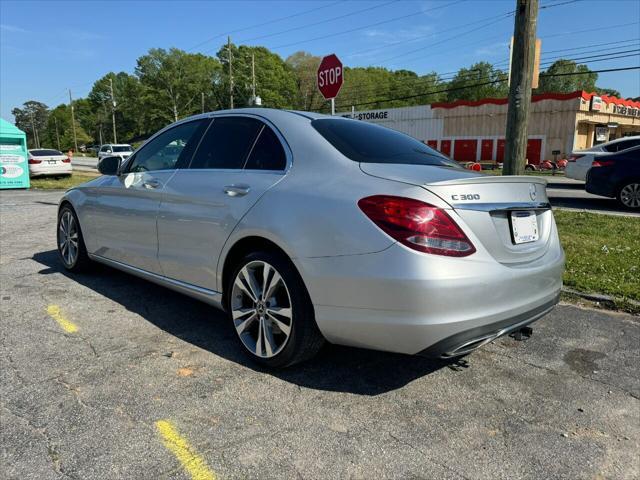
(266, 333)
(629, 195)
(73, 256)
(530, 168)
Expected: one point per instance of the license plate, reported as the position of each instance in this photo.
(51, 162)
(524, 227)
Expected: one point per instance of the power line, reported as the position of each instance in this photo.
(492, 82)
(358, 52)
(262, 24)
(300, 27)
(416, 81)
(618, 26)
(413, 14)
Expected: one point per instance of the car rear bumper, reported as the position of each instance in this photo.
(58, 169)
(402, 301)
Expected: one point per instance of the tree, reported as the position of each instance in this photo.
(32, 119)
(608, 91)
(305, 67)
(127, 92)
(583, 80)
(461, 87)
(275, 79)
(174, 81)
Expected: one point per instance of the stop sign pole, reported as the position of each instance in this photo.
(330, 79)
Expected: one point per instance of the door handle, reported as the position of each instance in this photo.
(151, 183)
(236, 190)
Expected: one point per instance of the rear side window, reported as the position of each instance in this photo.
(44, 153)
(622, 145)
(122, 149)
(227, 143)
(267, 153)
(368, 143)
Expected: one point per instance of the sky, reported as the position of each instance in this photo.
(48, 47)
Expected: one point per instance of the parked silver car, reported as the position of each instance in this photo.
(305, 227)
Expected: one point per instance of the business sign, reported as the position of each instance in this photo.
(628, 111)
(330, 76)
(14, 169)
(596, 103)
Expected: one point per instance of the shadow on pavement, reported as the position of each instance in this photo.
(336, 368)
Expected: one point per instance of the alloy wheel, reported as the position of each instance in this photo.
(68, 238)
(630, 195)
(261, 309)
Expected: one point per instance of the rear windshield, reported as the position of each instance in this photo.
(44, 153)
(121, 149)
(369, 143)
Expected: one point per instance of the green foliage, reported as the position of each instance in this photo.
(602, 253)
(32, 119)
(608, 91)
(171, 84)
(173, 81)
(567, 83)
(478, 73)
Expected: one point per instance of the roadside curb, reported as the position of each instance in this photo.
(598, 297)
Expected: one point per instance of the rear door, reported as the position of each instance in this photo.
(239, 158)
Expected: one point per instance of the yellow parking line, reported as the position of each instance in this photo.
(66, 325)
(186, 455)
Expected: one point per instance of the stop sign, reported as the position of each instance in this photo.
(330, 76)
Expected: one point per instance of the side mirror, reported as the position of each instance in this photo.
(109, 165)
(108, 151)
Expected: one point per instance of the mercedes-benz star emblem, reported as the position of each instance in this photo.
(532, 191)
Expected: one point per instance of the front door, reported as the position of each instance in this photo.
(121, 211)
(238, 160)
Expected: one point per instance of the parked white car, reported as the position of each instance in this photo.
(122, 150)
(580, 161)
(45, 161)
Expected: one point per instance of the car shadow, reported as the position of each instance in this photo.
(335, 368)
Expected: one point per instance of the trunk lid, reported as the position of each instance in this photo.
(486, 204)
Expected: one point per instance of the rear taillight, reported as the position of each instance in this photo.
(66, 160)
(602, 163)
(573, 158)
(417, 225)
(33, 161)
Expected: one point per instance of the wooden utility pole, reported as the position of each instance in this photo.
(253, 78)
(55, 119)
(522, 62)
(113, 111)
(36, 143)
(230, 73)
(73, 122)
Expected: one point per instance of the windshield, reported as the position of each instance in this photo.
(122, 149)
(44, 153)
(369, 143)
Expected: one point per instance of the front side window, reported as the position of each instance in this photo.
(267, 153)
(227, 143)
(369, 143)
(164, 152)
(105, 148)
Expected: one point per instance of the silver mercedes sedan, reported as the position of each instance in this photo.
(306, 228)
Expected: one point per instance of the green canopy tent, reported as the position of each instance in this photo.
(14, 167)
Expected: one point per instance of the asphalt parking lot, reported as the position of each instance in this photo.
(105, 376)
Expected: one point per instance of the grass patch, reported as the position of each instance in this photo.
(54, 183)
(602, 253)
